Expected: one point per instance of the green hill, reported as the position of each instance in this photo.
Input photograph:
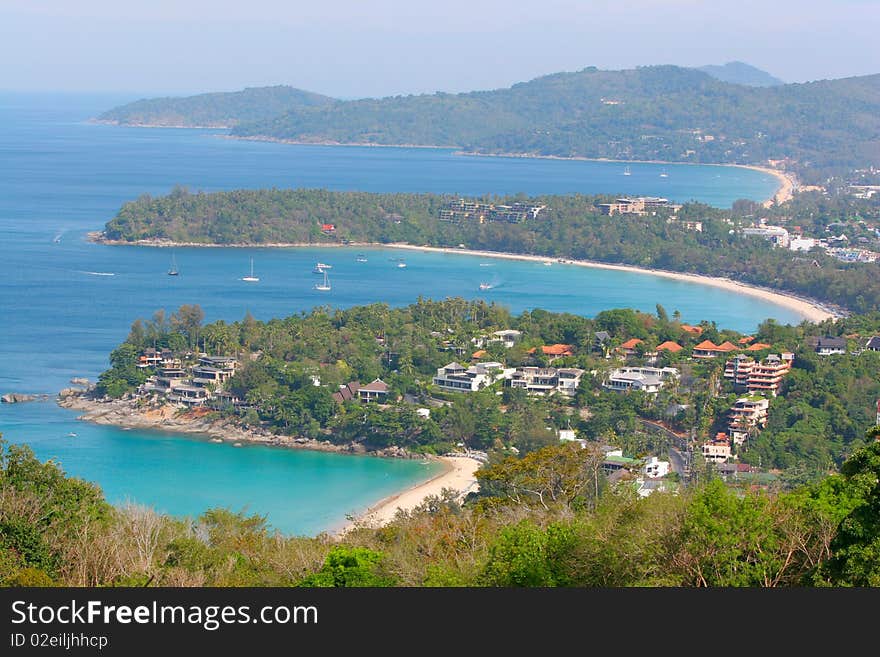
(216, 110)
(741, 73)
(658, 112)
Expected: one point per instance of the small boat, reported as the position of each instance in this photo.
(71, 434)
(251, 278)
(57, 239)
(663, 174)
(322, 265)
(627, 172)
(547, 263)
(361, 257)
(325, 286)
(485, 286)
(401, 264)
(172, 271)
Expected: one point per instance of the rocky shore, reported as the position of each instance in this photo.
(140, 413)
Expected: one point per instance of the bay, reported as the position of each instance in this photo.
(68, 302)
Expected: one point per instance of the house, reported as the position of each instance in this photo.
(227, 363)
(644, 379)
(826, 345)
(708, 349)
(188, 395)
(670, 346)
(508, 337)
(693, 330)
(375, 391)
(638, 206)
(717, 450)
(776, 235)
(655, 468)
(615, 461)
(347, 392)
(600, 342)
(546, 380)
(738, 369)
(645, 487)
(873, 344)
(457, 378)
(628, 348)
(758, 346)
(328, 229)
(478, 354)
(557, 350)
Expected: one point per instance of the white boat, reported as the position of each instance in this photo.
(251, 278)
(485, 286)
(322, 266)
(547, 263)
(172, 271)
(325, 286)
(401, 264)
(627, 172)
(663, 174)
(361, 257)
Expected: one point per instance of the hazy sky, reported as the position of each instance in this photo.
(349, 48)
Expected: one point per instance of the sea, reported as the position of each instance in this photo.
(67, 302)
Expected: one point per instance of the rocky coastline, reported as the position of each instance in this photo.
(142, 413)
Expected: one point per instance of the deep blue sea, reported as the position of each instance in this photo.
(67, 303)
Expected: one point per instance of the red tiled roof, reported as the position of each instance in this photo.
(696, 330)
(631, 343)
(758, 346)
(557, 350)
(669, 345)
(746, 339)
(479, 353)
(707, 345)
(727, 346)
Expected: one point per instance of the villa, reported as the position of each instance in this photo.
(547, 380)
(644, 379)
(457, 378)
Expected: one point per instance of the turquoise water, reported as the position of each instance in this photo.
(67, 303)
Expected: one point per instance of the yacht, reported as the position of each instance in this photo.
(485, 286)
(361, 257)
(325, 286)
(627, 172)
(401, 264)
(251, 278)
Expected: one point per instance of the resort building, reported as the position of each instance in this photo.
(717, 450)
(739, 369)
(457, 378)
(188, 395)
(639, 206)
(508, 337)
(776, 235)
(873, 344)
(628, 348)
(693, 330)
(546, 380)
(766, 376)
(670, 346)
(644, 379)
(746, 417)
(462, 210)
(708, 349)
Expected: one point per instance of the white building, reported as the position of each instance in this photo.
(655, 468)
(457, 378)
(546, 380)
(777, 235)
(645, 379)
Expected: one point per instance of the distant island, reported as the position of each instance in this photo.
(650, 233)
(664, 113)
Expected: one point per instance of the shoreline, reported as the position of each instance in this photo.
(810, 309)
(784, 192)
(457, 475)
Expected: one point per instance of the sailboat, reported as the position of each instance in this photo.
(627, 172)
(663, 174)
(172, 271)
(251, 278)
(325, 286)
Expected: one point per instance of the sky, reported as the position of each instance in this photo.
(374, 48)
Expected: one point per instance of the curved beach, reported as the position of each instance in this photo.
(458, 476)
(807, 308)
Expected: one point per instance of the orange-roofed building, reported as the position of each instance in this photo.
(557, 350)
(671, 346)
(478, 354)
(628, 348)
(746, 339)
(693, 330)
(758, 346)
(706, 349)
(727, 346)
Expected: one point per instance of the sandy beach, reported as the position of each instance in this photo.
(458, 475)
(808, 309)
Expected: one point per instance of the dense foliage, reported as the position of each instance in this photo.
(649, 113)
(58, 530)
(215, 109)
(570, 227)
